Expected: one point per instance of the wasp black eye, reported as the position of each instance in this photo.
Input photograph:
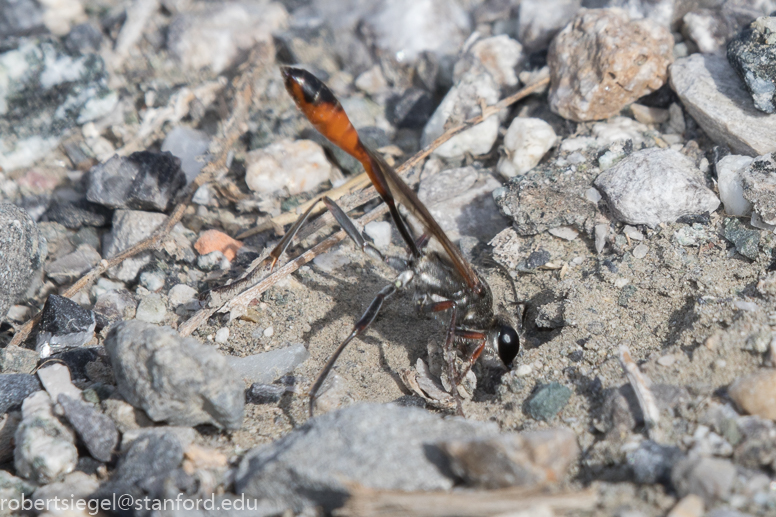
(508, 344)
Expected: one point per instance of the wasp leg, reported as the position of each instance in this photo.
(476, 336)
(451, 358)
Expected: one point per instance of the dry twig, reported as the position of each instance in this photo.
(640, 384)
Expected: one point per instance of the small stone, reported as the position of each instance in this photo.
(115, 305)
(174, 379)
(152, 309)
(129, 228)
(213, 240)
(152, 280)
(548, 401)
(729, 183)
(335, 393)
(143, 180)
(564, 232)
(666, 360)
(15, 387)
(538, 22)
(759, 185)
(601, 235)
(76, 215)
(56, 381)
(22, 252)
(633, 233)
(640, 251)
(213, 260)
(754, 393)
(648, 114)
(63, 325)
(372, 81)
(72, 266)
(654, 186)
(710, 478)
(753, 54)
(411, 109)
(265, 393)
(332, 260)
(15, 359)
(188, 145)
(214, 35)
(181, 294)
(602, 61)
(745, 240)
(524, 370)
(297, 166)
(713, 95)
(380, 233)
(83, 39)
(652, 463)
(222, 335)
(526, 142)
(97, 431)
(269, 366)
(690, 505)
(500, 56)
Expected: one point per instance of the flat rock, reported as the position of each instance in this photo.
(267, 367)
(379, 446)
(654, 186)
(22, 252)
(56, 380)
(756, 393)
(174, 379)
(548, 401)
(63, 325)
(73, 265)
(753, 54)
(96, 430)
(15, 387)
(602, 61)
(298, 166)
(746, 240)
(76, 215)
(758, 181)
(713, 94)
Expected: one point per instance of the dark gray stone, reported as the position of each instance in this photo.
(143, 180)
(753, 54)
(759, 182)
(652, 462)
(174, 379)
(411, 109)
(97, 431)
(22, 252)
(63, 325)
(20, 18)
(76, 215)
(548, 401)
(378, 446)
(84, 38)
(15, 387)
(76, 360)
(265, 393)
(745, 240)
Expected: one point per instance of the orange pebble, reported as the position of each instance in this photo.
(213, 240)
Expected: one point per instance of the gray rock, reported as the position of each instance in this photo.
(129, 228)
(84, 38)
(72, 266)
(151, 309)
(115, 305)
(265, 393)
(184, 435)
(56, 380)
(143, 180)
(753, 55)
(15, 387)
(22, 252)
(538, 22)
(378, 446)
(411, 109)
(665, 12)
(745, 240)
(189, 145)
(74, 486)
(652, 463)
(174, 379)
(52, 92)
(15, 359)
(709, 29)
(14, 488)
(63, 325)
(709, 478)
(548, 401)
(714, 96)
(758, 180)
(76, 215)
(20, 18)
(97, 431)
(653, 186)
(269, 366)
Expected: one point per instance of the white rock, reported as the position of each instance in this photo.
(601, 233)
(540, 20)
(618, 129)
(652, 186)
(640, 251)
(269, 366)
(222, 335)
(56, 380)
(524, 370)
(633, 233)
(180, 294)
(526, 142)
(408, 27)
(380, 233)
(500, 56)
(593, 195)
(152, 280)
(269, 331)
(129, 228)
(564, 232)
(731, 190)
(299, 166)
(648, 114)
(332, 260)
(578, 144)
(151, 309)
(714, 95)
(213, 35)
(61, 15)
(189, 145)
(461, 103)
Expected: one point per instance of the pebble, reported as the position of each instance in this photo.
(96, 430)
(22, 252)
(75, 487)
(152, 280)
(729, 183)
(538, 22)
(603, 61)
(332, 260)
(335, 393)
(372, 81)
(174, 379)
(690, 505)
(297, 166)
(548, 401)
(214, 35)
(666, 360)
(708, 29)
(601, 235)
(405, 28)
(181, 294)
(15, 359)
(269, 331)
(709, 478)
(214, 240)
(63, 325)
(152, 309)
(752, 53)
(45, 448)
(566, 233)
(188, 145)
(74, 215)
(143, 180)
(759, 182)
(129, 228)
(713, 95)
(500, 56)
(265, 393)
(380, 233)
(213, 260)
(754, 393)
(55, 379)
(267, 367)
(462, 102)
(526, 142)
(14, 388)
(222, 335)
(648, 114)
(69, 90)
(296, 472)
(745, 240)
(461, 201)
(653, 186)
(652, 462)
(524, 370)
(116, 305)
(72, 266)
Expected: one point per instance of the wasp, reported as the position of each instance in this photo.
(442, 281)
